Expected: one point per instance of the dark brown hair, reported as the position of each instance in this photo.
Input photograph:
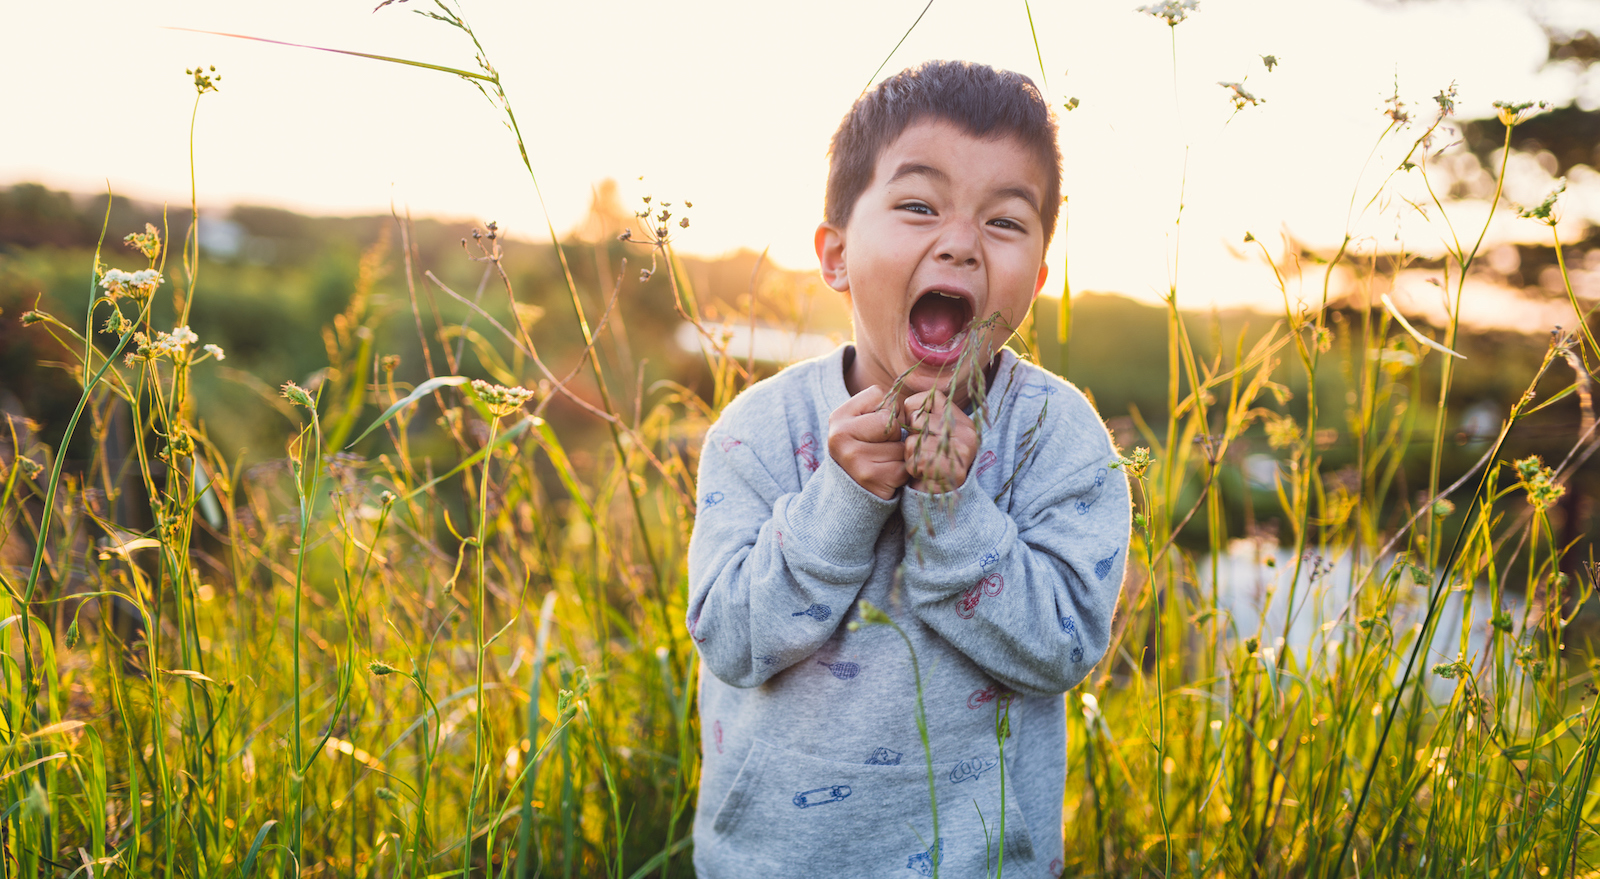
(977, 98)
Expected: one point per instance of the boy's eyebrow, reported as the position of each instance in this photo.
(917, 169)
(913, 169)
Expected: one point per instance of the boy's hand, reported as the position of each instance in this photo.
(864, 438)
(942, 443)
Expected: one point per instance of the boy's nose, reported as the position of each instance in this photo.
(959, 246)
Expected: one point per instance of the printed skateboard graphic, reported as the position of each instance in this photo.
(807, 452)
(1069, 626)
(818, 612)
(821, 796)
(971, 770)
(1087, 502)
(884, 757)
(989, 559)
(710, 500)
(991, 585)
(844, 671)
(921, 863)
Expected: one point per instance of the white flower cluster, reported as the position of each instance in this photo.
(1171, 11)
(500, 400)
(136, 284)
(216, 352)
(173, 345)
(1241, 96)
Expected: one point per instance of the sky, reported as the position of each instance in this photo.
(730, 105)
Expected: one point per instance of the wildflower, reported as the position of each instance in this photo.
(215, 352)
(683, 223)
(147, 242)
(1397, 112)
(1171, 11)
(871, 615)
(30, 467)
(1241, 96)
(297, 395)
(1543, 213)
(204, 80)
(1501, 621)
(29, 318)
(138, 285)
(1452, 670)
(1136, 464)
(1539, 482)
(1282, 431)
(73, 636)
(1270, 60)
(1446, 99)
(117, 324)
(172, 346)
(501, 400)
(1443, 508)
(1512, 114)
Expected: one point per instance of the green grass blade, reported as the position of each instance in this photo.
(422, 390)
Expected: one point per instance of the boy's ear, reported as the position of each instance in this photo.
(829, 242)
(1038, 283)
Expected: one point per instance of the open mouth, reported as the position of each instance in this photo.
(939, 325)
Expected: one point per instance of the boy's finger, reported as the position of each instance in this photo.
(868, 399)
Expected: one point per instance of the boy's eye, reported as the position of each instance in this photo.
(917, 207)
(1006, 224)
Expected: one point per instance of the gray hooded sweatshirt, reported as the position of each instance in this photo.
(813, 762)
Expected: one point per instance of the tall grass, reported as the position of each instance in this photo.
(365, 656)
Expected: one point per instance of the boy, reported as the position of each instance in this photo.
(990, 530)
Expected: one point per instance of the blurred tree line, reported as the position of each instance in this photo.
(284, 293)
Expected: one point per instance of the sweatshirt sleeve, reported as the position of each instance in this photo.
(1026, 594)
(773, 572)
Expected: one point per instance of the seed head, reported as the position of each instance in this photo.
(1544, 213)
(1136, 464)
(1539, 482)
(297, 395)
(1240, 95)
(1270, 61)
(147, 242)
(501, 400)
(1171, 11)
(381, 668)
(1512, 114)
(1071, 104)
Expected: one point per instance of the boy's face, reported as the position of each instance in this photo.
(948, 231)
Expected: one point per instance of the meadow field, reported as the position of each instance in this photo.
(398, 589)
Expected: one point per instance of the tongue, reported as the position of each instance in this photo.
(936, 319)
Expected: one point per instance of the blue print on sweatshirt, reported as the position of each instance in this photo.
(1070, 626)
(1034, 392)
(988, 559)
(1093, 494)
(818, 612)
(821, 796)
(1103, 567)
(767, 661)
(921, 863)
(884, 757)
(844, 671)
(970, 770)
